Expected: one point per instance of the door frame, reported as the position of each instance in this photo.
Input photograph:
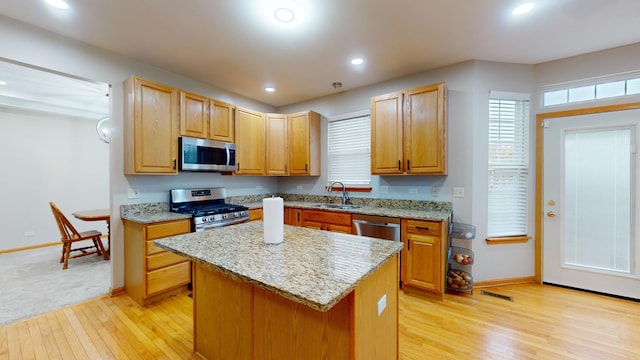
(540, 118)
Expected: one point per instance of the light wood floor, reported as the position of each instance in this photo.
(542, 322)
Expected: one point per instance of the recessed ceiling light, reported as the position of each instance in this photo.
(269, 89)
(357, 61)
(284, 15)
(522, 9)
(60, 4)
(3, 82)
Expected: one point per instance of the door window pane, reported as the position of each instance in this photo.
(598, 199)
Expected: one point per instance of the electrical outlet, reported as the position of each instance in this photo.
(435, 191)
(458, 192)
(384, 189)
(413, 191)
(258, 187)
(133, 194)
(29, 233)
(299, 187)
(382, 304)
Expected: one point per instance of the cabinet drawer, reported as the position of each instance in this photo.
(168, 277)
(327, 217)
(157, 231)
(163, 259)
(424, 227)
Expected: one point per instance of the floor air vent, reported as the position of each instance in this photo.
(499, 296)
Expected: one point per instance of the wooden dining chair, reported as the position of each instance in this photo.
(70, 235)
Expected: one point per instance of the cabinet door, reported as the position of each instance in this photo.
(221, 121)
(194, 115)
(386, 134)
(423, 263)
(304, 143)
(151, 128)
(425, 130)
(277, 149)
(249, 142)
(295, 217)
(345, 229)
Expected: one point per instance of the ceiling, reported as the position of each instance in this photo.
(234, 46)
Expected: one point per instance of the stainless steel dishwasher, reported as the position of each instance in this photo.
(381, 227)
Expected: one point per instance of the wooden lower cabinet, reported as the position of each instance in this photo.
(292, 216)
(248, 322)
(151, 273)
(255, 214)
(326, 220)
(424, 256)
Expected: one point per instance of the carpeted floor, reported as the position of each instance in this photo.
(32, 282)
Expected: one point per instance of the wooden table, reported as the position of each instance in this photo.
(97, 215)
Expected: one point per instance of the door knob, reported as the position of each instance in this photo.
(551, 214)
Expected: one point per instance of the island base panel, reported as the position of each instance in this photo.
(236, 320)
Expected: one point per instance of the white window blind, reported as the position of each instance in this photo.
(349, 150)
(508, 165)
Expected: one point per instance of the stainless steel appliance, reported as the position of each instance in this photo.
(205, 155)
(381, 227)
(208, 208)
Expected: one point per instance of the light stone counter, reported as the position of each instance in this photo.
(312, 267)
(434, 214)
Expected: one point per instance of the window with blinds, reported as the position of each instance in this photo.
(508, 165)
(349, 150)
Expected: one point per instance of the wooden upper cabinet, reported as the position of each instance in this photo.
(387, 134)
(304, 143)
(221, 121)
(250, 154)
(425, 133)
(277, 149)
(150, 129)
(194, 115)
(408, 132)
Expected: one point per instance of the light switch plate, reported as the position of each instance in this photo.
(413, 191)
(458, 192)
(435, 191)
(384, 189)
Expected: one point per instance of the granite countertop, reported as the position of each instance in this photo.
(313, 267)
(150, 213)
(407, 209)
(420, 214)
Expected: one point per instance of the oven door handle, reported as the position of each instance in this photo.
(203, 227)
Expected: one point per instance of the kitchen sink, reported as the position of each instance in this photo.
(336, 206)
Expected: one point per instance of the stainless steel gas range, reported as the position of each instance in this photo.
(208, 208)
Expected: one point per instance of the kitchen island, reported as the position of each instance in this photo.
(317, 295)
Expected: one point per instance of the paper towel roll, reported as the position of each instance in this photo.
(273, 219)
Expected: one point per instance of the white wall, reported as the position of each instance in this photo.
(46, 158)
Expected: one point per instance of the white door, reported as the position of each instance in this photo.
(590, 222)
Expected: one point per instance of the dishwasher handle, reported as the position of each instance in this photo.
(374, 223)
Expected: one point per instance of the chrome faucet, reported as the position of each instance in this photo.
(345, 194)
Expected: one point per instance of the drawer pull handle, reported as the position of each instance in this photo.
(422, 228)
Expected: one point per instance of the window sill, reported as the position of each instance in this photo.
(507, 240)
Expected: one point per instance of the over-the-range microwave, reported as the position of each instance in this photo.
(206, 155)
